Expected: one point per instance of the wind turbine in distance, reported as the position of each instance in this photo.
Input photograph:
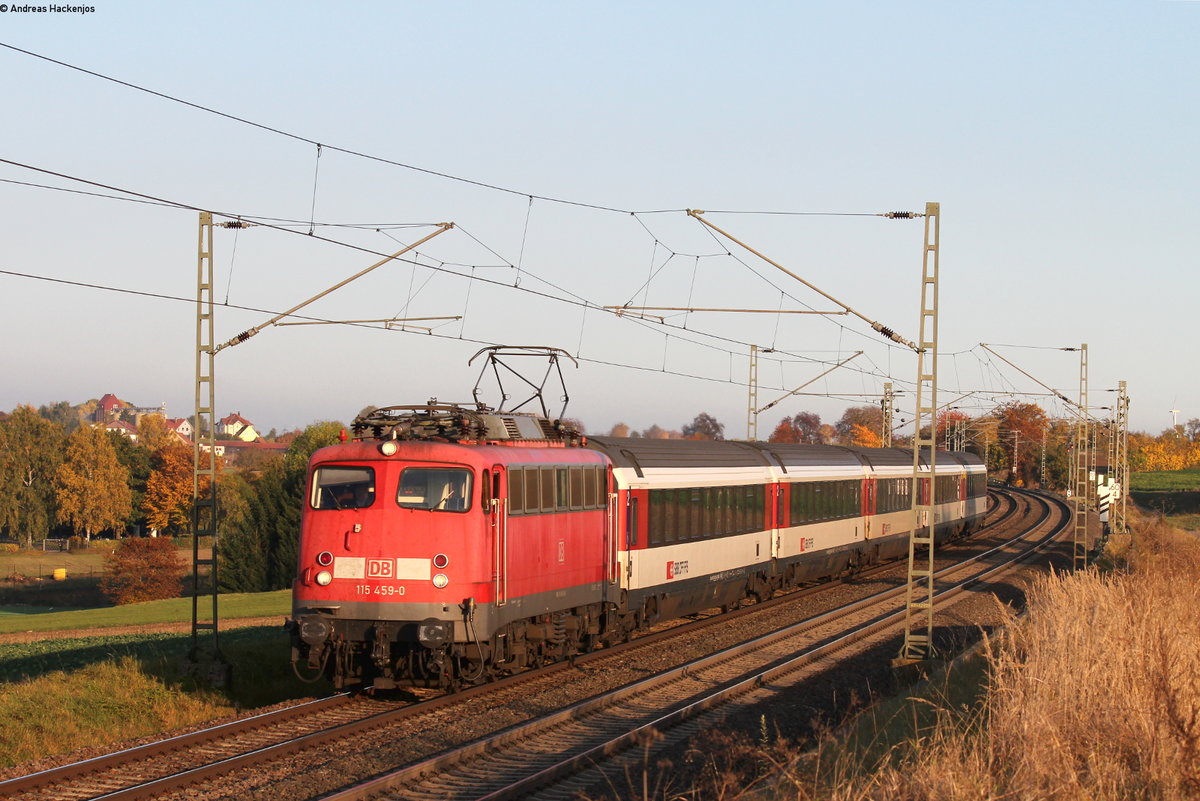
(1174, 418)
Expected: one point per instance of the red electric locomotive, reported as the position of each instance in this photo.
(445, 545)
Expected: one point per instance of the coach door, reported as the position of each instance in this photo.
(498, 520)
(868, 506)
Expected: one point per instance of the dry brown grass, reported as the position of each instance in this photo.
(1096, 695)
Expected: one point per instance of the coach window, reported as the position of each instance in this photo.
(439, 489)
(343, 488)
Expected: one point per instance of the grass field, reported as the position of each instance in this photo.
(57, 696)
(1166, 480)
(175, 610)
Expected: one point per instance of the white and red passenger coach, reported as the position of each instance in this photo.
(444, 545)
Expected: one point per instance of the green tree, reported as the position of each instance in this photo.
(91, 486)
(259, 551)
(30, 452)
(62, 413)
(135, 458)
(318, 435)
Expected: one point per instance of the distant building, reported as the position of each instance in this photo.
(109, 408)
(182, 428)
(238, 427)
(122, 428)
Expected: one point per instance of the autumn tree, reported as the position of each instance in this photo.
(168, 501)
(142, 569)
(619, 430)
(1022, 426)
(867, 417)
(91, 486)
(153, 433)
(704, 426)
(30, 453)
(864, 437)
(803, 427)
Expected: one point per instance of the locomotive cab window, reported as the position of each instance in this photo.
(343, 488)
(440, 489)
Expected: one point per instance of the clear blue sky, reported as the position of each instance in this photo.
(1059, 139)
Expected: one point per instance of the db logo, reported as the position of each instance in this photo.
(381, 568)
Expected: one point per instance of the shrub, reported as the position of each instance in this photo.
(143, 569)
(9, 547)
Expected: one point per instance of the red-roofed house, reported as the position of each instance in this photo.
(181, 426)
(239, 427)
(108, 408)
(122, 428)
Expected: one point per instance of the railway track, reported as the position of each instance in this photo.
(157, 769)
(542, 758)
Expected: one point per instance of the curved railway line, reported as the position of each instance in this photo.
(549, 748)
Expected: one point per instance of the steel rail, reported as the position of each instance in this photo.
(79, 772)
(522, 733)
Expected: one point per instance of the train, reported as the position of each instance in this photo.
(443, 546)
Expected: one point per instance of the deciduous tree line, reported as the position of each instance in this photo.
(83, 480)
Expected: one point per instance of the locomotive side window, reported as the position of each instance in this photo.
(441, 489)
(541, 489)
(533, 497)
(548, 494)
(516, 490)
(343, 488)
(577, 474)
(562, 497)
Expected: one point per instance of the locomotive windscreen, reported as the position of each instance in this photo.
(446, 489)
(343, 488)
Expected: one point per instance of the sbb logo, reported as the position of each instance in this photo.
(381, 568)
(676, 569)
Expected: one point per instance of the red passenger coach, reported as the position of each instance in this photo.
(446, 545)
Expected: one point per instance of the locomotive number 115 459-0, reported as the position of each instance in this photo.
(380, 589)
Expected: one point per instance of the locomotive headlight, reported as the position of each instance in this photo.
(439, 581)
(324, 559)
(440, 561)
(324, 577)
(389, 448)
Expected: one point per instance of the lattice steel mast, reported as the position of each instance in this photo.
(918, 614)
(204, 657)
(1079, 464)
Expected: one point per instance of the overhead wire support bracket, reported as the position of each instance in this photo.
(787, 395)
(242, 337)
(622, 309)
(390, 323)
(875, 325)
(1075, 405)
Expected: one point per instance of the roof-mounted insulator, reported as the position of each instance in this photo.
(901, 215)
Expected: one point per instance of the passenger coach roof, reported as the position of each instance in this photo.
(640, 453)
